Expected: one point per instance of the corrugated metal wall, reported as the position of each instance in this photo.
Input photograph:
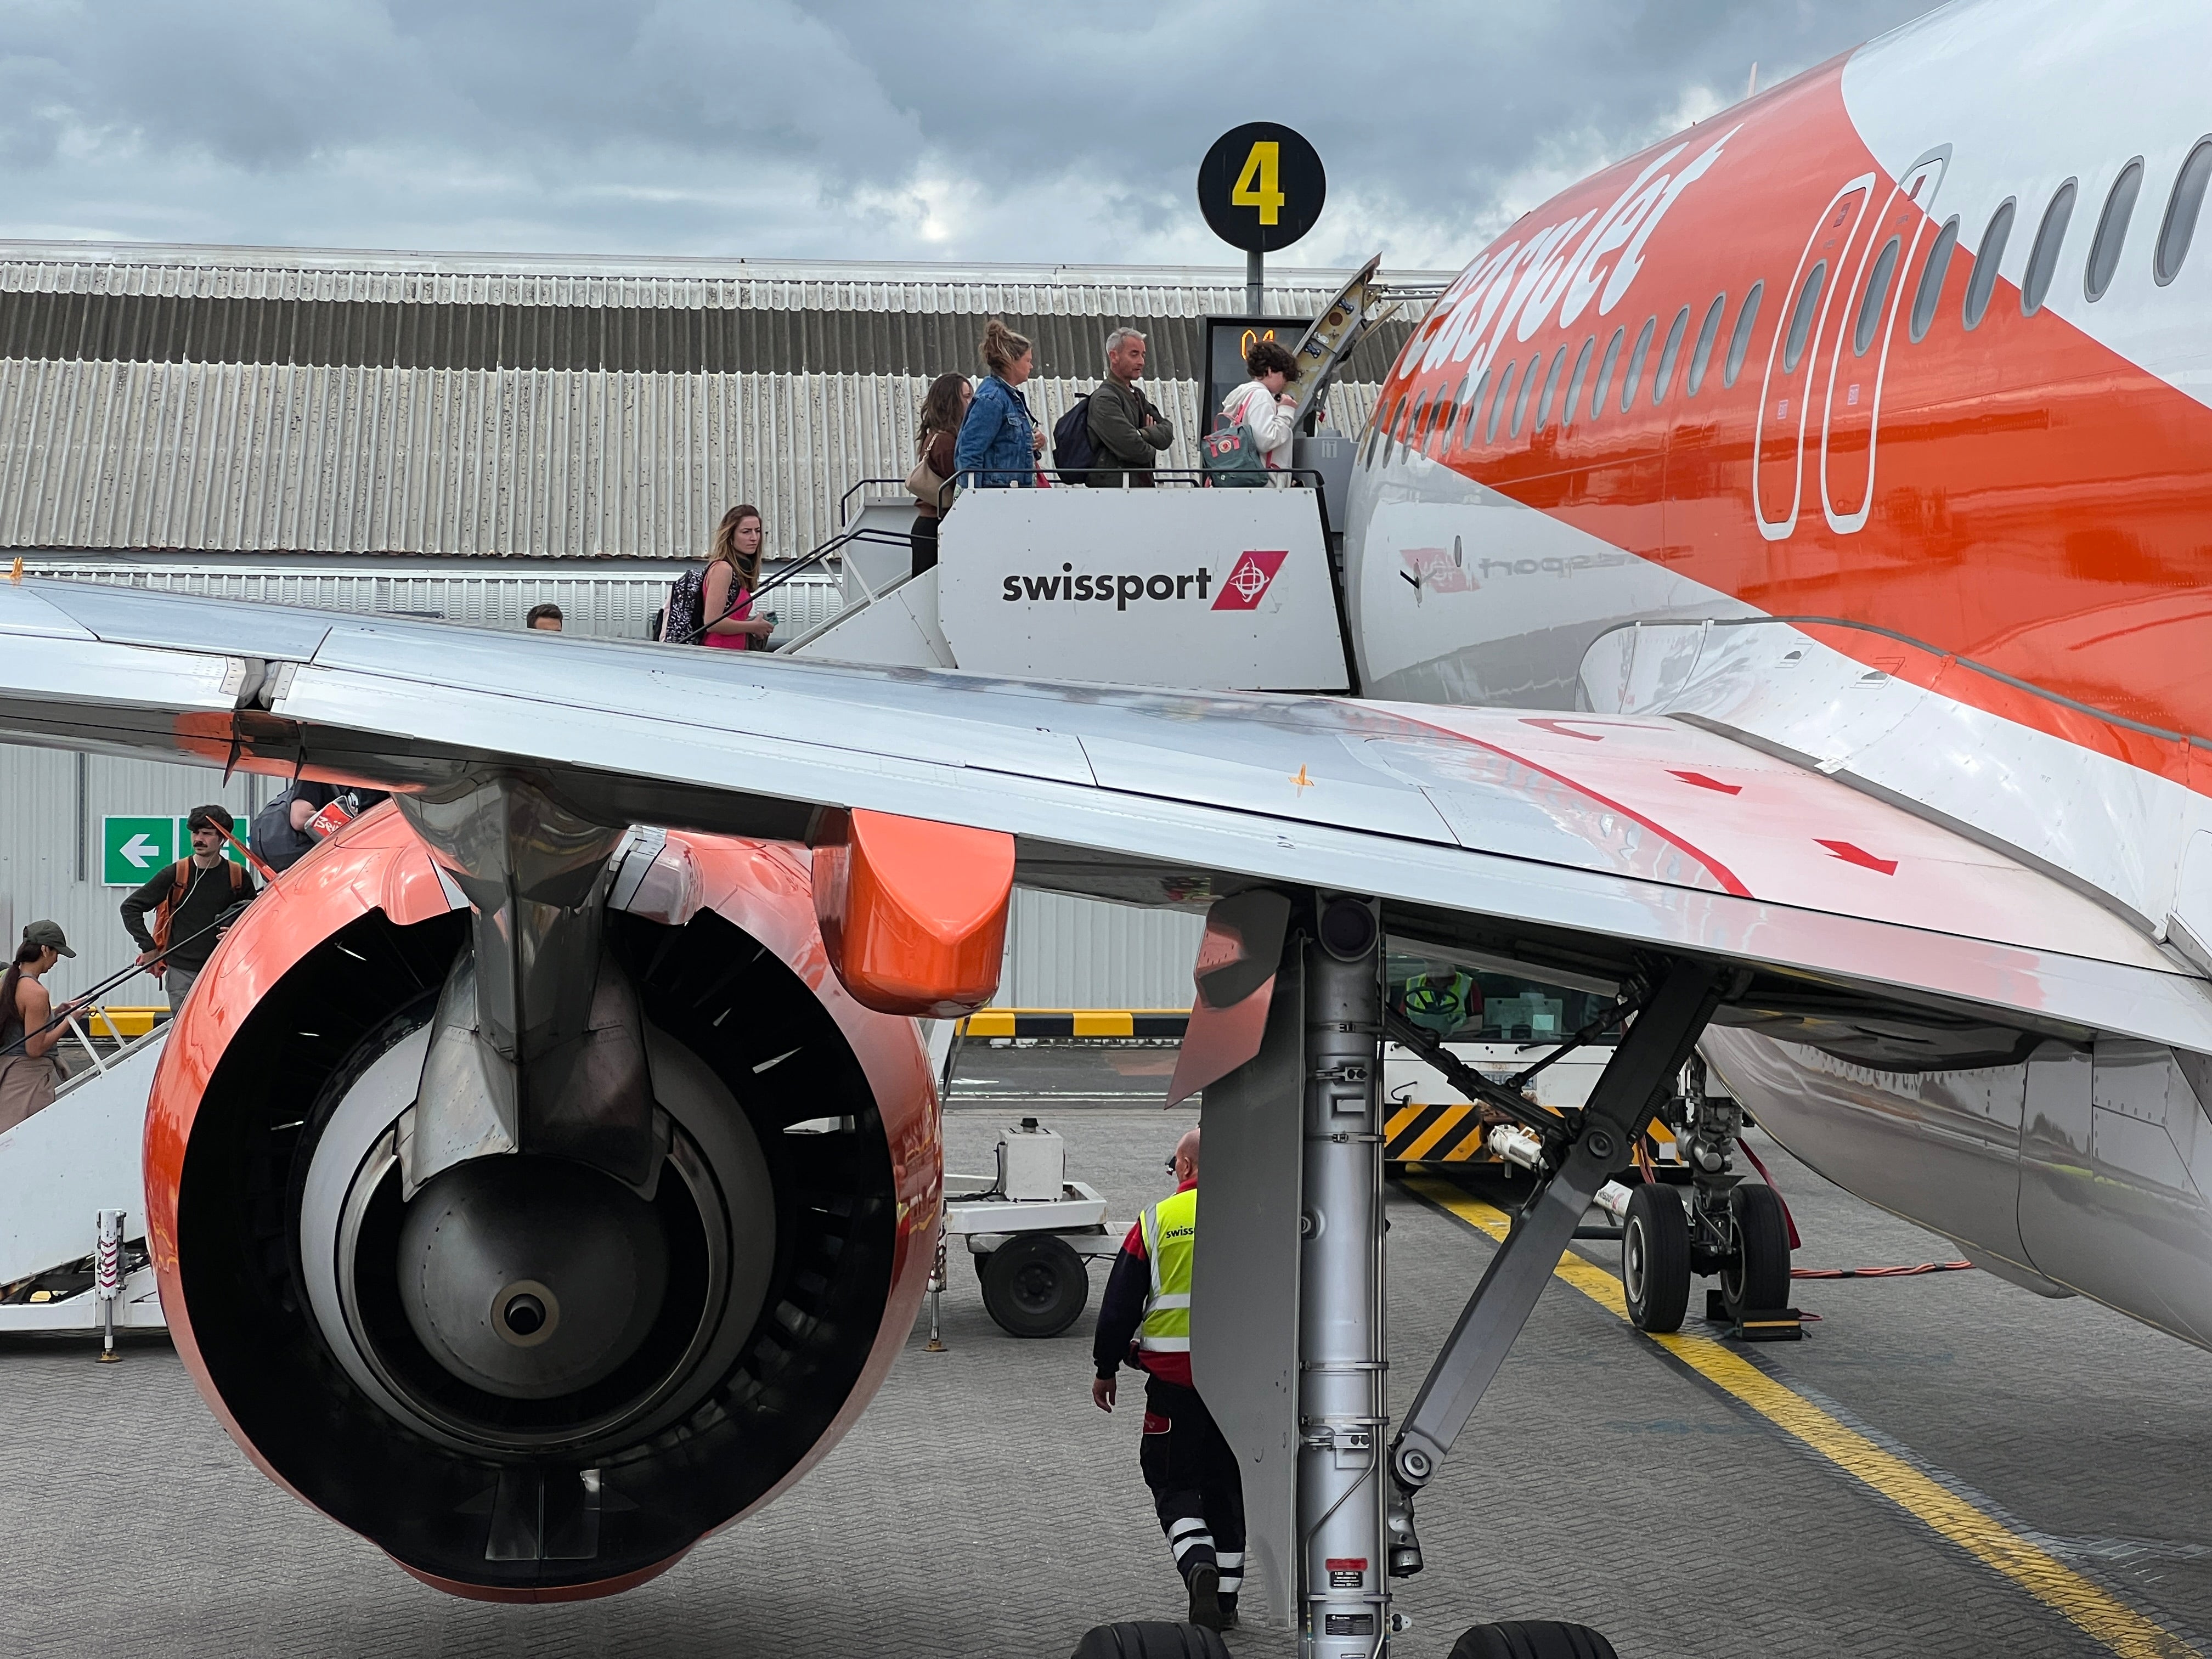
(230, 400)
(617, 604)
(1066, 952)
(463, 463)
(46, 840)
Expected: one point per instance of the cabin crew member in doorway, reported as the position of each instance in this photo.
(1193, 1476)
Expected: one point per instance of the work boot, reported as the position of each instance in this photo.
(1204, 1602)
(1227, 1605)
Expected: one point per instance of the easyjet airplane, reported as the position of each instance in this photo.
(1778, 556)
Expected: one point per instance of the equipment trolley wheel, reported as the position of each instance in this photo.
(1034, 1285)
(1534, 1638)
(1757, 1276)
(1655, 1259)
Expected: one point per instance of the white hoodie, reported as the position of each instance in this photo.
(1253, 405)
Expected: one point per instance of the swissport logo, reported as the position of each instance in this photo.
(1249, 582)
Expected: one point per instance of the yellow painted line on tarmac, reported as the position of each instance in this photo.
(2096, 1611)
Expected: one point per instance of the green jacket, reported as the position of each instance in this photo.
(1127, 429)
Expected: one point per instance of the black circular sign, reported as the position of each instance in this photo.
(1261, 186)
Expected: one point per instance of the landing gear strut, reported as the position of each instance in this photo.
(1738, 1232)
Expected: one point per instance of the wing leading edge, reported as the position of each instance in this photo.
(1561, 844)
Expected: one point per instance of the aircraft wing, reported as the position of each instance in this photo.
(1561, 845)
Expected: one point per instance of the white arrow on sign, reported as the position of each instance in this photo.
(140, 851)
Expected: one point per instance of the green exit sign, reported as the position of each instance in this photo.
(133, 849)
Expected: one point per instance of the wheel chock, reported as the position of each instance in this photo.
(1757, 1324)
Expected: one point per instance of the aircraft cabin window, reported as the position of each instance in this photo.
(1551, 390)
(1636, 363)
(2112, 230)
(1605, 371)
(1987, 259)
(1474, 408)
(1574, 385)
(1929, 293)
(2181, 209)
(1497, 406)
(1877, 296)
(1707, 331)
(2042, 257)
(1440, 418)
(1739, 342)
(1667, 353)
(1413, 411)
(1800, 320)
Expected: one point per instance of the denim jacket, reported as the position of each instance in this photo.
(995, 439)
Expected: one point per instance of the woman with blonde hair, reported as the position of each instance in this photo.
(999, 440)
(943, 410)
(732, 573)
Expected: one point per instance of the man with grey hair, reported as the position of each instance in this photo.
(1126, 429)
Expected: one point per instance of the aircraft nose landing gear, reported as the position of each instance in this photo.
(1737, 1232)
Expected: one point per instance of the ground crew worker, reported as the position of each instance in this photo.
(1442, 1003)
(1196, 1487)
(188, 898)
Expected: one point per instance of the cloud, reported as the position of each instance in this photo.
(1040, 131)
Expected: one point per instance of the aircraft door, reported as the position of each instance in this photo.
(1807, 315)
(1857, 346)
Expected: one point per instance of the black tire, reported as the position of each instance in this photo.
(1034, 1285)
(1655, 1259)
(1757, 1276)
(1153, 1638)
(1533, 1639)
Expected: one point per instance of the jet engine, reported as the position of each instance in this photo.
(535, 1348)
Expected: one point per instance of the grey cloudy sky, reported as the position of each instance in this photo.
(993, 131)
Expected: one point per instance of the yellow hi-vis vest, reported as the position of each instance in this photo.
(1170, 1233)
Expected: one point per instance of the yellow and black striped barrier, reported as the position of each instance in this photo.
(1451, 1134)
(1076, 1022)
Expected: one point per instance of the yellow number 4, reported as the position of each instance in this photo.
(1260, 185)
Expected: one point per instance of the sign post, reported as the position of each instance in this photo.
(1260, 187)
(132, 850)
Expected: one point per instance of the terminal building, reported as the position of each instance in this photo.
(466, 436)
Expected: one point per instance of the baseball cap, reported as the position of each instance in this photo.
(209, 817)
(48, 933)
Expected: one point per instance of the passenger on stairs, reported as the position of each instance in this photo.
(27, 1070)
(943, 410)
(1126, 428)
(1000, 439)
(732, 573)
(1261, 405)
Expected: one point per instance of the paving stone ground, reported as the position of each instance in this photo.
(983, 1507)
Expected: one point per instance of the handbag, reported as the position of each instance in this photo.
(922, 482)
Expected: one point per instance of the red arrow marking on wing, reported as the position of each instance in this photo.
(1860, 856)
(1705, 782)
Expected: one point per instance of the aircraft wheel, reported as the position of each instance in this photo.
(1153, 1638)
(1034, 1285)
(1757, 1276)
(1534, 1638)
(1655, 1259)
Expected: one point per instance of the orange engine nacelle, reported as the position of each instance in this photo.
(660, 1357)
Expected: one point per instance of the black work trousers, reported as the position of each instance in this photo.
(1196, 1486)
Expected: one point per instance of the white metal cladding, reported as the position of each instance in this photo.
(49, 832)
(465, 463)
(1061, 951)
(617, 603)
(1068, 952)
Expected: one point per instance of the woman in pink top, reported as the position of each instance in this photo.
(732, 573)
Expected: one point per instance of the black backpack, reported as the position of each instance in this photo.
(1072, 452)
(681, 616)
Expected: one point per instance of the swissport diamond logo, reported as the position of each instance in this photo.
(1249, 582)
